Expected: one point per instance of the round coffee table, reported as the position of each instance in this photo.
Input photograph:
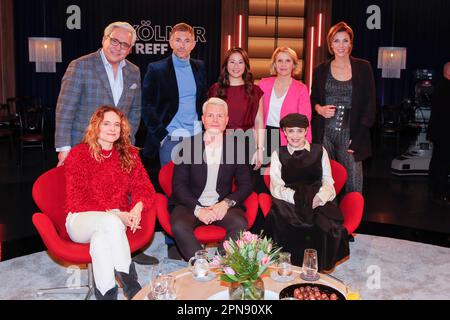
(189, 289)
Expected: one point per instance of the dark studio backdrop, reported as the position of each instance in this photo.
(422, 26)
(151, 19)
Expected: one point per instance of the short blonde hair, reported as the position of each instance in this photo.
(216, 101)
(182, 27)
(339, 27)
(292, 54)
(124, 25)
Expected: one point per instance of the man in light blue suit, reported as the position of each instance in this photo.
(103, 77)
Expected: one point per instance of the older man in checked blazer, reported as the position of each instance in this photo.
(101, 78)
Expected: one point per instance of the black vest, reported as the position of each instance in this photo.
(302, 167)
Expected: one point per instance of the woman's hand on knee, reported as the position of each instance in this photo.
(123, 216)
(135, 216)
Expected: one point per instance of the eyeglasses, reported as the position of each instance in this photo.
(115, 42)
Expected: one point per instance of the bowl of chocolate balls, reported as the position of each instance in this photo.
(310, 291)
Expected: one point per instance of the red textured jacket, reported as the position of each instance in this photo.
(101, 186)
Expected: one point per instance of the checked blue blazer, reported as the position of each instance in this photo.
(84, 88)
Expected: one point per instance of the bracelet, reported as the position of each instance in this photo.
(260, 148)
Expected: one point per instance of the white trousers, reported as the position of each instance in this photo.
(109, 247)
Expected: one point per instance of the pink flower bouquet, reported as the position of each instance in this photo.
(246, 259)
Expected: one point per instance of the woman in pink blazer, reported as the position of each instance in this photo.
(283, 94)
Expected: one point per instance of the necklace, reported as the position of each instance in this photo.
(106, 157)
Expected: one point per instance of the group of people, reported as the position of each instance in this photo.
(108, 187)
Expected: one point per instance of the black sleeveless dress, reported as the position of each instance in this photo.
(298, 227)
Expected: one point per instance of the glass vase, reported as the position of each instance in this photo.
(247, 290)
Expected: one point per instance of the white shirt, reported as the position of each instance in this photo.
(117, 82)
(273, 118)
(116, 85)
(277, 186)
(213, 158)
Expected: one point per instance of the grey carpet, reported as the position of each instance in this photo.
(378, 268)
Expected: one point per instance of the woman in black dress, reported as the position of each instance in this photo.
(301, 185)
(343, 105)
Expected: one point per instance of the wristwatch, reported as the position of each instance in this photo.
(229, 202)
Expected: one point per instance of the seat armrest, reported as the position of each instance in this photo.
(352, 207)
(251, 206)
(265, 203)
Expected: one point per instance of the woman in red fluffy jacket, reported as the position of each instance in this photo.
(103, 173)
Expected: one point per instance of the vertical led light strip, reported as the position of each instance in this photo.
(240, 31)
(229, 42)
(319, 31)
(311, 58)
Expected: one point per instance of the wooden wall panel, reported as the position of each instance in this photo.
(287, 8)
(7, 66)
(264, 47)
(288, 27)
(273, 24)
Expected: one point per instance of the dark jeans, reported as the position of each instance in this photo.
(184, 222)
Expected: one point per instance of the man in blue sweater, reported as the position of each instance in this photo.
(174, 90)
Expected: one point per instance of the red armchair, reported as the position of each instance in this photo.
(351, 205)
(49, 195)
(204, 234)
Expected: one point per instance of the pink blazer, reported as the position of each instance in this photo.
(296, 101)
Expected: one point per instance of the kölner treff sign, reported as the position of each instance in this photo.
(153, 39)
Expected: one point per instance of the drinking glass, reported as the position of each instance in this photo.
(284, 264)
(154, 271)
(159, 287)
(170, 292)
(309, 267)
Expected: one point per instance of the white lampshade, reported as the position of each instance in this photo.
(45, 52)
(391, 60)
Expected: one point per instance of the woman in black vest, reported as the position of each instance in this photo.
(301, 185)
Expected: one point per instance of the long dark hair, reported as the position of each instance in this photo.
(224, 78)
